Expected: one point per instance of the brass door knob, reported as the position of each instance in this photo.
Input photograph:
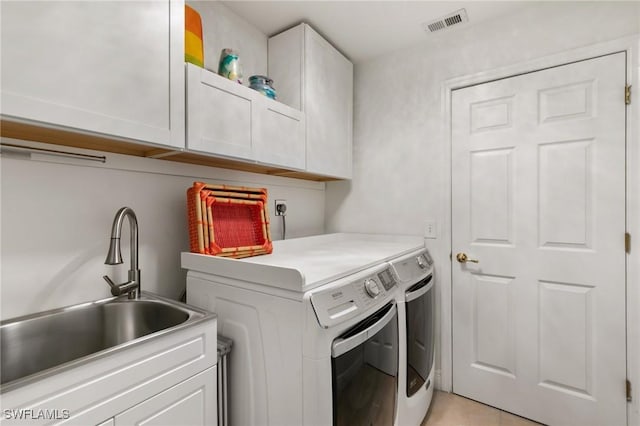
(463, 258)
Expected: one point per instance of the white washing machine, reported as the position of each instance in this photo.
(354, 351)
(314, 326)
(416, 317)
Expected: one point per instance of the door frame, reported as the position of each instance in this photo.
(631, 46)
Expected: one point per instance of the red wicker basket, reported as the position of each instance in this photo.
(228, 221)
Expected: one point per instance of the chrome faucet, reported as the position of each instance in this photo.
(114, 256)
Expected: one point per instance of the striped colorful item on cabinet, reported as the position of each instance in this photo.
(193, 49)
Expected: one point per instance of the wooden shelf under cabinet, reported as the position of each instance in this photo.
(55, 136)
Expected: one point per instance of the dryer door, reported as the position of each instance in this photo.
(364, 367)
(420, 305)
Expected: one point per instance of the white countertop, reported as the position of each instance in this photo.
(301, 264)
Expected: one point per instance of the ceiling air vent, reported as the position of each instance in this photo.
(455, 18)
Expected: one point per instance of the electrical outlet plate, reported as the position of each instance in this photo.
(278, 203)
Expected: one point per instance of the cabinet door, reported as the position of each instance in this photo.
(220, 115)
(113, 68)
(328, 104)
(279, 135)
(286, 65)
(190, 403)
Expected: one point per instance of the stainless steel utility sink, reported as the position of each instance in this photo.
(38, 345)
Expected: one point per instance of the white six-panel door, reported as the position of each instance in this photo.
(538, 198)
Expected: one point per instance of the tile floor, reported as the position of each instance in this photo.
(448, 409)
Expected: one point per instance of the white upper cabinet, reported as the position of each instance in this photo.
(220, 115)
(310, 74)
(107, 68)
(279, 134)
(227, 119)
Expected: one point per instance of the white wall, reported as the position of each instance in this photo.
(400, 153)
(222, 28)
(57, 215)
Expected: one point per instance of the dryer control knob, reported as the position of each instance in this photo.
(421, 263)
(372, 289)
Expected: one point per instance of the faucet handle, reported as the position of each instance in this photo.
(115, 290)
(131, 287)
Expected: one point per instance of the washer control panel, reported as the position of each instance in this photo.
(387, 279)
(347, 298)
(413, 267)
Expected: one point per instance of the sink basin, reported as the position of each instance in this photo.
(41, 344)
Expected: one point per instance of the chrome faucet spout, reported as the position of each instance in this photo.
(114, 255)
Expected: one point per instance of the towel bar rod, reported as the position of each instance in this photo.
(99, 158)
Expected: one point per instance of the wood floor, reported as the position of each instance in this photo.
(448, 409)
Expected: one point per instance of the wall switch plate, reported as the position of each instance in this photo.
(430, 229)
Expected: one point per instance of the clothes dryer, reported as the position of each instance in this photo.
(314, 325)
(416, 317)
